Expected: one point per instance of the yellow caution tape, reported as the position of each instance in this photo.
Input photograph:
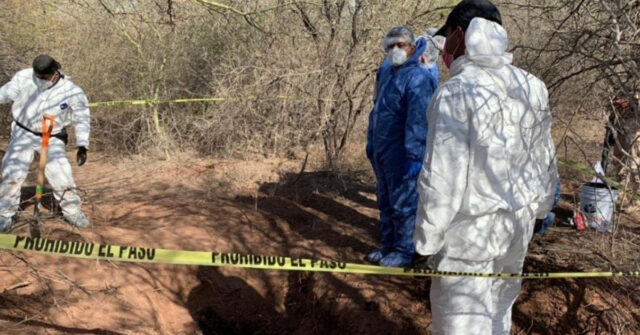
(190, 100)
(87, 250)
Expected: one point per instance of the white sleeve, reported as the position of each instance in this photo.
(9, 92)
(443, 179)
(546, 204)
(81, 119)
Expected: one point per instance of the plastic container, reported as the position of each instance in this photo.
(597, 202)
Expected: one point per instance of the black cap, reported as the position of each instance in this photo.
(467, 10)
(45, 64)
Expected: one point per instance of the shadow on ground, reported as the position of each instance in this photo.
(316, 205)
(226, 304)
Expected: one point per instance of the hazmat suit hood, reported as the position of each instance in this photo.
(421, 46)
(486, 44)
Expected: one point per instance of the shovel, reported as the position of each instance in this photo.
(47, 128)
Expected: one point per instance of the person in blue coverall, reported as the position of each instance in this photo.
(541, 228)
(396, 141)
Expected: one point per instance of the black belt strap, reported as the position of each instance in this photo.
(62, 135)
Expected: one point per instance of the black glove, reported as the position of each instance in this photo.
(428, 262)
(81, 157)
(421, 262)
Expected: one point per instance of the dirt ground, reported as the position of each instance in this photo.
(268, 207)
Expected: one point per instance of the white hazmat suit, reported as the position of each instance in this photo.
(31, 100)
(489, 171)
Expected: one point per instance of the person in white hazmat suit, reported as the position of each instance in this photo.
(34, 92)
(489, 172)
(429, 57)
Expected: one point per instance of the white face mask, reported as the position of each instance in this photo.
(397, 56)
(42, 84)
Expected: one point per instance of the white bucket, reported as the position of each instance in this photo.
(596, 204)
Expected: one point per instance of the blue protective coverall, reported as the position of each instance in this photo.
(397, 137)
(433, 70)
(549, 220)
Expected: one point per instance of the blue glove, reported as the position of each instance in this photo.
(557, 195)
(546, 223)
(413, 168)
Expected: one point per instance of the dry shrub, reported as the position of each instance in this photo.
(302, 73)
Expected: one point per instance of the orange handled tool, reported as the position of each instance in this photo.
(47, 128)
